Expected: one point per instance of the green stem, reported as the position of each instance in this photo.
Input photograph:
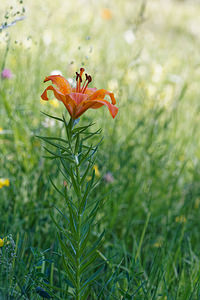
(78, 279)
(78, 265)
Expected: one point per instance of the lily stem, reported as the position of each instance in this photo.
(78, 277)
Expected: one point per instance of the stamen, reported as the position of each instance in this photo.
(88, 80)
(79, 81)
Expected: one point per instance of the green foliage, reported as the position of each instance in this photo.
(75, 160)
(148, 191)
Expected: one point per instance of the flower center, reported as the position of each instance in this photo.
(88, 79)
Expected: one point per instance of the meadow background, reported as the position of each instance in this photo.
(147, 53)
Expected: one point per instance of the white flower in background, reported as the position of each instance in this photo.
(56, 72)
(151, 90)
(193, 27)
(27, 43)
(48, 123)
(157, 73)
(113, 84)
(175, 78)
(47, 37)
(72, 82)
(129, 36)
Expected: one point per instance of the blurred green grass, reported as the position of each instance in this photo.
(148, 55)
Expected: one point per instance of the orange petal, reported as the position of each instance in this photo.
(67, 101)
(90, 91)
(100, 94)
(60, 96)
(78, 97)
(96, 103)
(62, 83)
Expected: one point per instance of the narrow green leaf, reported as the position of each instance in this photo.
(56, 118)
(55, 187)
(52, 138)
(77, 143)
(55, 144)
(74, 183)
(92, 134)
(88, 262)
(55, 222)
(87, 191)
(85, 156)
(72, 218)
(86, 172)
(85, 293)
(92, 278)
(84, 241)
(82, 128)
(66, 250)
(68, 271)
(57, 155)
(95, 246)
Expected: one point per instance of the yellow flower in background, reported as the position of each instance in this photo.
(180, 219)
(157, 244)
(97, 173)
(54, 103)
(42, 102)
(96, 169)
(4, 182)
(106, 14)
(1, 242)
(1, 129)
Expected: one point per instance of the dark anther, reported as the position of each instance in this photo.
(88, 78)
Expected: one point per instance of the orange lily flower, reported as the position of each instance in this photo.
(78, 100)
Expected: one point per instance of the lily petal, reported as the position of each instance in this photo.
(90, 91)
(67, 101)
(78, 97)
(60, 96)
(96, 103)
(100, 94)
(62, 83)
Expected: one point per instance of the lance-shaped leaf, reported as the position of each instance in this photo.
(59, 146)
(86, 172)
(95, 246)
(55, 187)
(82, 128)
(92, 277)
(88, 263)
(56, 118)
(74, 183)
(87, 191)
(66, 250)
(70, 272)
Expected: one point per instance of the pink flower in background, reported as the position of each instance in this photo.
(108, 177)
(6, 74)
